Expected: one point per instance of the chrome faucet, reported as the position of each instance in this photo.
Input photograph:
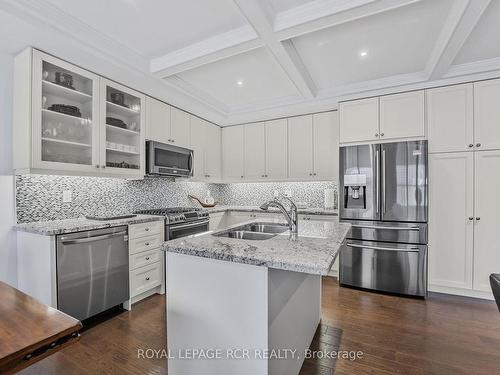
(290, 216)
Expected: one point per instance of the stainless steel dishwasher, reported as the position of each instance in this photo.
(92, 271)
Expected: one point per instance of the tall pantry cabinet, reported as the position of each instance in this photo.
(464, 175)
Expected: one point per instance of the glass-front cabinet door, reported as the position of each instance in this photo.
(122, 130)
(65, 133)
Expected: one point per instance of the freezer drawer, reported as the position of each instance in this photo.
(410, 233)
(387, 267)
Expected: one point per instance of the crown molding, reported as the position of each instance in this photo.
(46, 14)
(218, 47)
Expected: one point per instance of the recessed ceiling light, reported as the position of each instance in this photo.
(363, 53)
(239, 83)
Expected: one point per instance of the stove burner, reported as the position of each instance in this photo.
(175, 215)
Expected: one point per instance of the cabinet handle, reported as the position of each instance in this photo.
(376, 135)
(262, 176)
(314, 174)
(173, 140)
(310, 174)
(242, 177)
(98, 166)
(382, 134)
(478, 218)
(147, 258)
(169, 140)
(471, 145)
(478, 144)
(147, 278)
(103, 166)
(146, 229)
(471, 218)
(147, 244)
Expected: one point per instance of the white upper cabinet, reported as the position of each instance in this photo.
(451, 223)
(70, 121)
(487, 114)
(233, 152)
(179, 127)
(206, 144)
(213, 152)
(359, 120)
(167, 124)
(63, 119)
(402, 115)
(122, 133)
(300, 147)
(276, 149)
(325, 145)
(487, 206)
(385, 118)
(450, 118)
(157, 120)
(255, 151)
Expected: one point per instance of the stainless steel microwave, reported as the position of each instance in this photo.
(168, 160)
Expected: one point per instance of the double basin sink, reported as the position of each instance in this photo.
(254, 231)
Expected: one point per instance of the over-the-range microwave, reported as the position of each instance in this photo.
(168, 160)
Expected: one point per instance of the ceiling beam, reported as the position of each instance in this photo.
(206, 51)
(311, 17)
(259, 17)
(463, 17)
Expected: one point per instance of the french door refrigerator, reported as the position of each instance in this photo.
(383, 194)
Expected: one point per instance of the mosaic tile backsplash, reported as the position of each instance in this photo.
(39, 198)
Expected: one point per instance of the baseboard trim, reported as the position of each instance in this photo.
(461, 292)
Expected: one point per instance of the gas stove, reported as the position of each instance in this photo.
(175, 215)
(181, 221)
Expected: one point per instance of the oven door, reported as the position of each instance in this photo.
(186, 229)
(168, 160)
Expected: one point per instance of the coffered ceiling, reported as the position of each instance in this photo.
(248, 60)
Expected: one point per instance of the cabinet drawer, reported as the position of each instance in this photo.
(145, 258)
(141, 244)
(145, 278)
(146, 229)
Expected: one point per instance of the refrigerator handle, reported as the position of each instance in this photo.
(384, 208)
(377, 184)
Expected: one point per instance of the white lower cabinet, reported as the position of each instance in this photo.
(146, 260)
(451, 224)
(463, 217)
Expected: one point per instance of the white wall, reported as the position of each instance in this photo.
(8, 257)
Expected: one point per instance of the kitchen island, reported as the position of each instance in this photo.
(246, 306)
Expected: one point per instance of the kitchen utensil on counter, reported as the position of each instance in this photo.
(202, 203)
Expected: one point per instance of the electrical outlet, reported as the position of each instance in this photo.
(288, 193)
(67, 196)
(276, 193)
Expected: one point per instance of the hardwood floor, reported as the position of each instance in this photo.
(441, 335)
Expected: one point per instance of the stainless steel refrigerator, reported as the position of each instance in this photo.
(383, 194)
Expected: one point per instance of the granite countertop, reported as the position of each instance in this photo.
(54, 227)
(313, 251)
(307, 211)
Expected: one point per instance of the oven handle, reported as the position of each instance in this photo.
(410, 250)
(189, 225)
(190, 162)
(389, 228)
